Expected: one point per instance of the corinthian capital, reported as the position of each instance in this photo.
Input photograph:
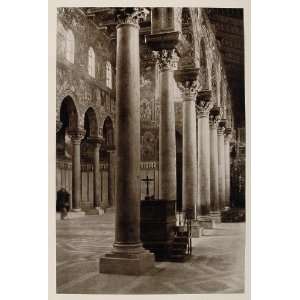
(167, 59)
(204, 103)
(228, 134)
(131, 15)
(188, 82)
(214, 117)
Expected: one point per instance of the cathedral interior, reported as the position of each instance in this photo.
(150, 150)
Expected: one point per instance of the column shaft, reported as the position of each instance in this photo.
(111, 178)
(189, 171)
(214, 174)
(167, 140)
(203, 165)
(127, 230)
(221, 166)
(227, 172)
(96, 176)
(76, 137)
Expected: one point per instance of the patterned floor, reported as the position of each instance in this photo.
(217, 265)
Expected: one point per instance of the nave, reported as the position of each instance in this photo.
(216, 266)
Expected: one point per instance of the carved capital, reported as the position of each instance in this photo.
(204, 103)
(166, 59)
(214, 117)
(188, 83)
(95, 140)
(228, 134)
(221, 129)
(130, 15)
(76, 135)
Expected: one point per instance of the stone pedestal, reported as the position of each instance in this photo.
(215, 216)
(157, 226)
(205, 222)
(197, 230)
(127, 264)
(127, 256)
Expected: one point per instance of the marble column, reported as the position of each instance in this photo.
(214, 170)
(128, 255)
(167, 61)
(187, 80)
(96, 142)
(227, 165)
(221, 164)
(76, 136)
(204, 105)
(111, 177)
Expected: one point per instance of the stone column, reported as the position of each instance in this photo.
(204, 105)
(96, 141)
(214, 170)
(187, 80)
(221, 164)
(227, 165)
(167, 61)
(76, 136)
(128, 256)
(111, 177)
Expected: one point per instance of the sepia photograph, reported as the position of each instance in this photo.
(151, 150)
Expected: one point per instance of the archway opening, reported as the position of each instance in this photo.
(68, 117)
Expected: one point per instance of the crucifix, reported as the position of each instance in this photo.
(147, 180)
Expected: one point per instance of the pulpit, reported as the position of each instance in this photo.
(158, 223)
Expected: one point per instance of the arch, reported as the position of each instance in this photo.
(90, 122)
(108, 132)
(203, 65)
(70, 46)
(91, 62)
(214, 85)
(68, 114)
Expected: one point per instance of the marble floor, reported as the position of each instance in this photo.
(217, 264)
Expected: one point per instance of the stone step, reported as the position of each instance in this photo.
(91, 212)
(179, 258)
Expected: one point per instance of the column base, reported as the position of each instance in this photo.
(75, 214)
(205, 222)
(215, 217)
(197, 230)
(126, 263)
